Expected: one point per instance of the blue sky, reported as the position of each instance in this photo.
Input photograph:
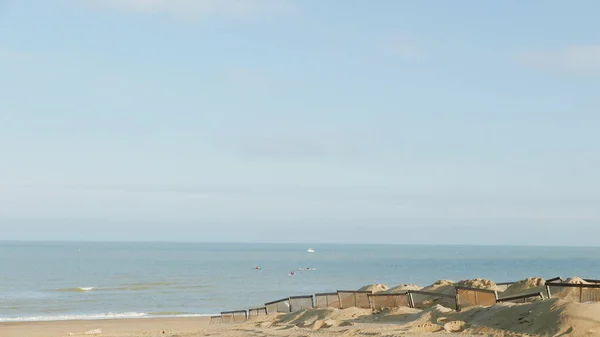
(271, 120)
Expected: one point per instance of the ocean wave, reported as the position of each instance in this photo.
(141, 286)
(168, 313)
(94, 317)
(109, 315)
(76, 290)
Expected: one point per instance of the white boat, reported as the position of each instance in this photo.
(310, 250)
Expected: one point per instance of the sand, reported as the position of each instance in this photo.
(403, 288)
(324, 324)
(118, 327)
(549, 318)
(374, 288)
(527, 286)
(554, 317)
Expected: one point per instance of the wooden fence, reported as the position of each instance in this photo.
(464, 297)
(298, 303)
(350, 298)
(279, 306)
(467, 297)
(390, 300)
(234, 316)
(327, 300)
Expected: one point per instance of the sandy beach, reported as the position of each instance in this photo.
(553, 317)
(191, 327)
(175, 326)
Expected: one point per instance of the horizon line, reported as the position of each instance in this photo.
(307, 244)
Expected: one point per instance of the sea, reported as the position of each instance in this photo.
(41, 281)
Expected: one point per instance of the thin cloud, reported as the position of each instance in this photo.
(194, 9)
(575, 60)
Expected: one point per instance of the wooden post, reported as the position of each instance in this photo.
(581, 295)
(411, 300)
(548, 292)
(456, 300)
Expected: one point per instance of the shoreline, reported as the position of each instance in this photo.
(83, 318)
(118, 326)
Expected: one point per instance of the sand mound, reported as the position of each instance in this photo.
(575, 294)
(321, 318)
(455, 326)
(375, 288)
(429, 320)
(441, 283)
(394, 315)
(403, 288)
(527, 286)
(546, 318)
(441, 286)
(576, 280)
(449, 288)
(543, 318)
(426, 327)
(478, 283)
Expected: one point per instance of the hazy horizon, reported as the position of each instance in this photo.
(281, 243)
(300, 121)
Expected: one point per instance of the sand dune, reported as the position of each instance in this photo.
(543, 318)
(375, 288)
(549, 318)
(403, 288)
(527, 286)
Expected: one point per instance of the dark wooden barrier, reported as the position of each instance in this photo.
(354, 298)
(521, 297)
(585, 292)
(466, 297)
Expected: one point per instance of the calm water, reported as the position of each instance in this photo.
(41, 281)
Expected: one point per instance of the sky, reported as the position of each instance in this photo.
(463, 122)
